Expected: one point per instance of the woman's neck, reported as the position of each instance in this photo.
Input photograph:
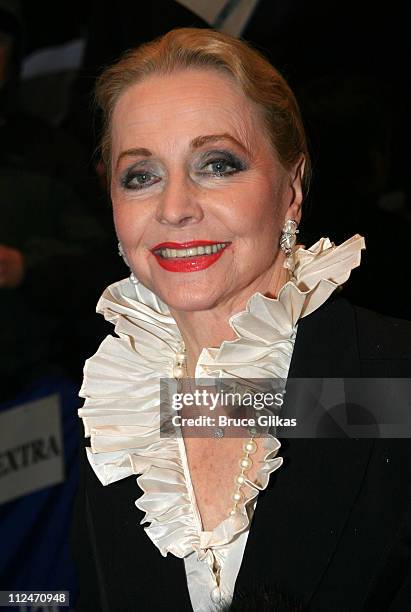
(209, 328)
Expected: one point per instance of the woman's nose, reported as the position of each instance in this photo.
(179, 204)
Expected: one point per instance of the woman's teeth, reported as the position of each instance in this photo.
(192, 251)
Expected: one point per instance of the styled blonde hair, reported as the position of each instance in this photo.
(185, 48)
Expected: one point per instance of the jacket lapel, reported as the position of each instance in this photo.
(299, 518)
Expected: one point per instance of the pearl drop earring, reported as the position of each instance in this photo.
(133, 278)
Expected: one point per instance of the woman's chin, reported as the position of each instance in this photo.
(188, 298)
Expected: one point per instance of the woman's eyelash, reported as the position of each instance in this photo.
(132, 175)
(223, 160)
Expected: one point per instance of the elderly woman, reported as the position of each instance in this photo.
(208, 165)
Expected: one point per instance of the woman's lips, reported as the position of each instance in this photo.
(188, 263)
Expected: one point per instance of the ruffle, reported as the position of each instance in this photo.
(266, 329)
(121, 390)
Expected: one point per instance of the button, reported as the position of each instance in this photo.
(215, 595)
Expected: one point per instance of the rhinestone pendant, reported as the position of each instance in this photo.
(218, 432)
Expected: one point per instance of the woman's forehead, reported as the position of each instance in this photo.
(181, 104)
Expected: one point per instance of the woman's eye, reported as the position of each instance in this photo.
(139, 180)
(222, 166)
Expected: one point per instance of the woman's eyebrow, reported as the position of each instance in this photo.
(195, 144)
(140, 152)
(203, 140)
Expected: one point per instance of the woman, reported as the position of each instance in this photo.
(208, 165)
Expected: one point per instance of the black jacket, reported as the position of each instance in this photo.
(332, 531)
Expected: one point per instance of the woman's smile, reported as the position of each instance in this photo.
(189, 256)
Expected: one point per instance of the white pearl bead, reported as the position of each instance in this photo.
(178, 372)
(240, 479)
(290, 226)
(232, 512)
(245, 463)
(215, 595)
(250, 447)
(180, 357)
(237, 497)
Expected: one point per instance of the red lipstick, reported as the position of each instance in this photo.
(192, 263)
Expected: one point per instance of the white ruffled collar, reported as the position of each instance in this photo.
(121, 388)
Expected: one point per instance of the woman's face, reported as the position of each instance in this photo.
(193, 169)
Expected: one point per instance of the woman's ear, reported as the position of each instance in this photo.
(296, 186)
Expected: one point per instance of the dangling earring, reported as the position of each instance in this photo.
(287, 242)
(121, 252)
(133, 278)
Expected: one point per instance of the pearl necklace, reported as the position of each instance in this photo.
(249, 447)
(245, 463)
(179, 368)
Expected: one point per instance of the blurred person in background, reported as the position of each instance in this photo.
(45, 238)
(49, 159)
(53, 256)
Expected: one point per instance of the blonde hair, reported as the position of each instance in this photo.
(185, 48)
